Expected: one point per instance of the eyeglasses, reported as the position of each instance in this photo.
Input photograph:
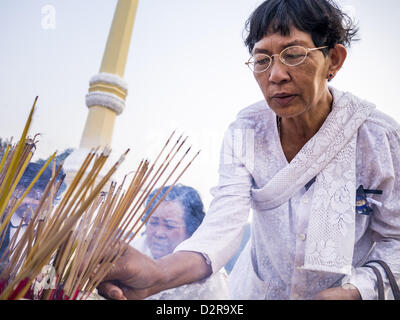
(291, 56)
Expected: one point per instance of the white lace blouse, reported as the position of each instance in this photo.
(272, 264)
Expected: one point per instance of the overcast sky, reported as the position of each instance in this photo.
(185, 71)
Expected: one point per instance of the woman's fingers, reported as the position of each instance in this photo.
(110, 290)
(132, 276)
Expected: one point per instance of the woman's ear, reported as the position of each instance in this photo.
(337, 56)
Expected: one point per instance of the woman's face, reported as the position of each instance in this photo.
(166, 229)
(291, 91)
(29, 204)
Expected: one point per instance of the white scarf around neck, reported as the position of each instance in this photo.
(330, 156)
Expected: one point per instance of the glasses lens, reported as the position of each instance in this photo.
(259, 63)
(293, 56)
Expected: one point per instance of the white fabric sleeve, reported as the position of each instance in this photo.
(220, 234)
(385, 220)
(364, 280)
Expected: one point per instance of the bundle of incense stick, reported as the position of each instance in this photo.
(81, 237)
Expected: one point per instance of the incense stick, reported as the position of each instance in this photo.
(82, 236)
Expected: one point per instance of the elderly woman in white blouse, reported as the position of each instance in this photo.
(319, 167)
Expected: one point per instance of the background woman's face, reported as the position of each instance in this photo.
(166, 229)
(29, 204)
(305, 83)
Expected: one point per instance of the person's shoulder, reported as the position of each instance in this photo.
(377, 121)
(380, 124)
(252, 115)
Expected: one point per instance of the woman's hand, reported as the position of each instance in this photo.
(131, 277)
(136, 276)
(340, 293)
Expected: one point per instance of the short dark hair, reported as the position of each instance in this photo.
(190, 200)
(327, 24)
(30, 173)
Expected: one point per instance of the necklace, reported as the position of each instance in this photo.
(279, 125)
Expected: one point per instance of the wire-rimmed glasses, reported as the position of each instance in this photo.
(290, 56)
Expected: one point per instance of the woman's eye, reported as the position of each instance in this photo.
(294, 56)
(262, 62)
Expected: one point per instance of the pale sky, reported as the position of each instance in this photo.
(185, 71)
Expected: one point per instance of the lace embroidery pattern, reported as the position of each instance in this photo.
(330, 156)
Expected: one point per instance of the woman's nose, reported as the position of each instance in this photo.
(278, 72)
(160, 232)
